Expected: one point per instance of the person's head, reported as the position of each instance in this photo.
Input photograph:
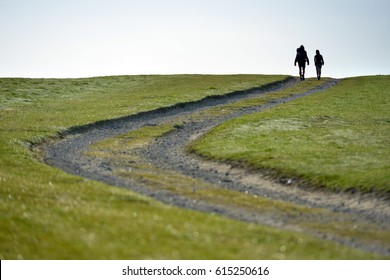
(317, 52)
(302, 47)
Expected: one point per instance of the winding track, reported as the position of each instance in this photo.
(168, 153)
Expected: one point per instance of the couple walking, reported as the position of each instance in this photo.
(302, 58)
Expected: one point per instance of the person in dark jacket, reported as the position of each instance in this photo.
(301, 58)
(318, 61)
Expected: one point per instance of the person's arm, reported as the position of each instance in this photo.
(307, 58)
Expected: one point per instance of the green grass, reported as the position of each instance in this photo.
(46, 106)
(48, 214)
(337, 139)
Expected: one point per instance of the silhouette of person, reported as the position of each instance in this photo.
(318, 61)
(301, 58)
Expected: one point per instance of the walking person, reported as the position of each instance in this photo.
(301, 58)
(318, 61)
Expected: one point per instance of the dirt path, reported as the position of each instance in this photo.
(164, 159)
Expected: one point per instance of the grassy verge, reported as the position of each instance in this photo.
(47, 214)
(338, 139)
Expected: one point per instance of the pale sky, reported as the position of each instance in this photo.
(85, 38)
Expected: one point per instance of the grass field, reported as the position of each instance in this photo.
(338, 139)
(48, 214)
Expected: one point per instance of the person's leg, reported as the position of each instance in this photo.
(301, 71)
(319, 72)
(318, 68)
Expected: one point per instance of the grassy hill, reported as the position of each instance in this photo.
(48, 214)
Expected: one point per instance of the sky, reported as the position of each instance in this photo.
(87, 38)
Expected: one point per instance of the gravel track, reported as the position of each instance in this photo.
(168, 153)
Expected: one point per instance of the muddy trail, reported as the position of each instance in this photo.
(147, 153)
